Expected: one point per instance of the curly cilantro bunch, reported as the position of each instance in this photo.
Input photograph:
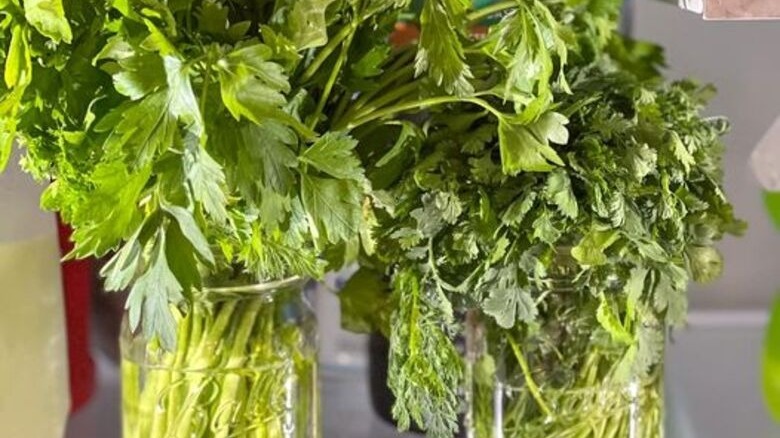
(617, 187)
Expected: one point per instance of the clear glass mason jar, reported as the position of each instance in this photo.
(245, 365)
(564, 378)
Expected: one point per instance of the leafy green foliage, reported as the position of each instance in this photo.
(570, 203)
(441, 50)
(48, 18)
(228, 139)
(527, 148)
(365, 303)
(185, 139)
(425, 368)
(507, 302)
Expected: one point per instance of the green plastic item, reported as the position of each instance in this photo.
(771, 365)
(772, 203)
(771, 360)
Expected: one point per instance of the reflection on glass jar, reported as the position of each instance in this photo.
(528, 391)
(565, 375)
(245, 365)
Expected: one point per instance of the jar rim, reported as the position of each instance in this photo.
(258, 287)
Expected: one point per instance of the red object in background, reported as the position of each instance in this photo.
(77, 287)
(404, 34)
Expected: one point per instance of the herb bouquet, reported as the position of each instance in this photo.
(554, 235)
(207, 146)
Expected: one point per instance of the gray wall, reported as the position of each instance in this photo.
(743, 60)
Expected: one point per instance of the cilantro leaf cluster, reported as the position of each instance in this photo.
(589, 169)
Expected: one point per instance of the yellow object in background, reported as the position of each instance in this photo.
(34, 388)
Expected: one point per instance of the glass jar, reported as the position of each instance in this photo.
(565, 377)
(245, 365)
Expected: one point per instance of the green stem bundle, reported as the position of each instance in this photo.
(578, 395)
(239, 370)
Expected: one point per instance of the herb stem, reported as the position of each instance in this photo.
(326, 51)
(206, 83)
(334, 75)
(389, 80)
(425, 103)
(368, 108)
(529, 380)
(490, 10)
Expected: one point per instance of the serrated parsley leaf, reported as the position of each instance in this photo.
(642, 161)
(306, 26)
(559, 191)
(508, 306)
(441, 51)
(517, 211)
(152, 296)
(120, 271)
(334, 207)
(206, 179)
(528, 37)
(526, 148)
(139, 75)
(146, 128)
(590, 250)
(191, 231)
(252, 86)
(111, 213)
(333, 154)
(671, 295)
(181, 97)
(681, 152)
(48, 18)
(507, 302)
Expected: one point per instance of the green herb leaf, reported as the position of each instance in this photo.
(441, 53)
(527, 148)
(508, 306)
(305, 24)
(559, 191)
(590, 250)
(18, 64)
(112, 213)
(608, 318)
(206, 180)
(332, 154)
(191, 231)
(155, 292)
(48, 18)
(334, 207)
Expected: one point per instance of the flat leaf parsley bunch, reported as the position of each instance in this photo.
(207, 138)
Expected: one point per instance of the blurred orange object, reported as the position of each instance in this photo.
(405, 34)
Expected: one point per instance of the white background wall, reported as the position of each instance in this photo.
(743, 60)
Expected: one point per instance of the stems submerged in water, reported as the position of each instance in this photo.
(562, 380)
(242, 368)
